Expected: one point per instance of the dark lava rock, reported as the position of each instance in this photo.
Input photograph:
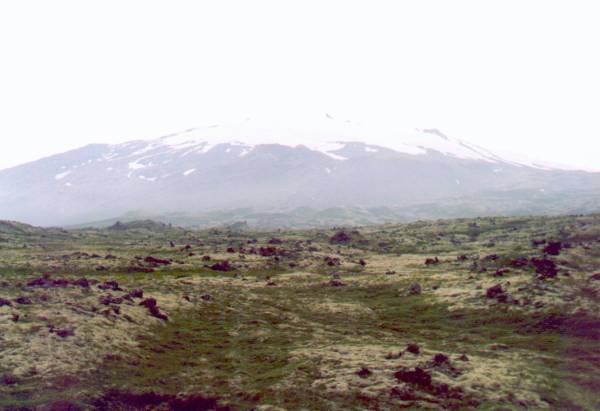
(519, 262)
(500, 272)
(553, 248)
(109, 299)
(23, 301)
(362, 262)
(340, 238)
(64, 333)
(491, 257)
(150, 303)
(156, 261)
(413, 349)
(4, 301)
(417, 377)
(435, 286)
(101, 268)
(364, 372)
(462, 258)
(336, 283)
(463, 358)
(332, 261)
(432, 261)
(403, 394)
(440, 358)
(137, 293)
(110, 257)
(595, 277)
(275, 241)
(82, 282)
(8, 379)
(207, 297)
(538, 242)
(231, 250)
(414, 289)
(268, 251)
(494, 292)
(545, 267)
(110, 285)
(206, 258)
(118, 400)
(222, 266)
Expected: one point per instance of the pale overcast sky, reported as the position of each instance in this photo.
(519, 75)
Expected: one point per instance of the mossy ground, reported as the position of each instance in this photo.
(279, 333)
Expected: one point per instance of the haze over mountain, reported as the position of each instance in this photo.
(333, 172)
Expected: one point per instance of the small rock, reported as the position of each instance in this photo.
(23, 301)
(440, 358)
(417, 377)
(413, 349)
(364, 372)
(414, 289)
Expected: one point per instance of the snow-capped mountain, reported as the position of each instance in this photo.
(245, 165)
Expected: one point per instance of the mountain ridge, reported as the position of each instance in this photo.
(203, 170)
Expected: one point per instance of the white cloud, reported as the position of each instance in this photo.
(511, 75)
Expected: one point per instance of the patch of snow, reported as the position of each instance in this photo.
(245, 152)
(135, 165)
(188, 172)
(371, 150)
(328, 170)
(457, 182)
(60, 176)
(142, 177)
(68, 184)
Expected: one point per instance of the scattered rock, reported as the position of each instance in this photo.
(432, 261)
(340, 238)
(332, 261)
(440, 358)
(364, 372)
(152, 306)
(157, 261)
(553, 248)
(8, 379)
(336, 283)
(544, 267)
(23, 301)
(494, 292)
(222, 266)
(4, 301)
(110, 285)
(414, 289)
(413, 349)
(417, 377)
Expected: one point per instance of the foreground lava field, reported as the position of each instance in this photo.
(490, 314)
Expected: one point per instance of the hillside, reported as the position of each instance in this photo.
(208, 171)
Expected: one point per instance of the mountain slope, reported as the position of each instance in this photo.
(220, 168)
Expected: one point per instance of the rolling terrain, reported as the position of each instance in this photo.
(488, 313)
